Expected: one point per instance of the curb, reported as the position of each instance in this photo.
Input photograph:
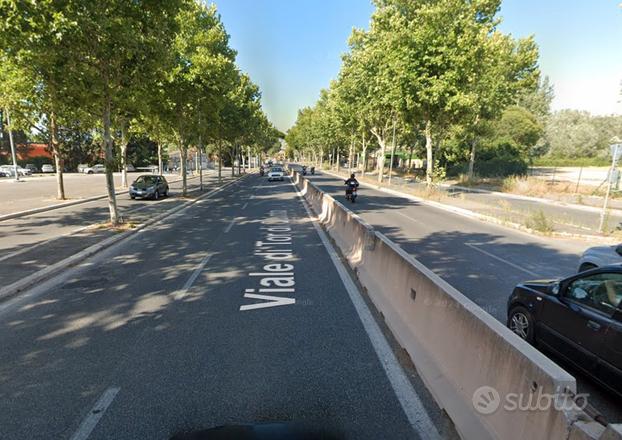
(50, 271)
(482, 217)
(66, 204)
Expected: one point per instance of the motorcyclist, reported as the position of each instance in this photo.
(350, 184)
(304, 170)
(312, 170)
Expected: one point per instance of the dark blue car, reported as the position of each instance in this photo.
(578, 318)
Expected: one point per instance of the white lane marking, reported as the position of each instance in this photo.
(96, 413)
(410, 218)
(509, 263)
(190, 281)
(230, 225)
(245, 205)
(403, 389)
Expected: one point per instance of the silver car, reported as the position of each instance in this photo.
(599, 256)
(276, 173)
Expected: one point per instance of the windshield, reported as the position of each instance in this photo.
(276, 170)
(147, 180)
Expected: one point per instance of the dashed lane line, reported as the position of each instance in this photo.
(94, 416)
(503, 260)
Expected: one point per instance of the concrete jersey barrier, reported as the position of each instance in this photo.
(457, 347)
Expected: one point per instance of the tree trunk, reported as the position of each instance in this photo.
(219, 161)
(350, 154)
(238, 156)
(381, 159)
(183, 159)
(160, 166)
(201, 169)
(410, 156)
(338, 159)
(13, 154)
(364, 169)
(471, 160)
(249, 159)
(123, 155)
(58, 161)
(428, 150)
(472, 155)
(109, 162)
(232, 155)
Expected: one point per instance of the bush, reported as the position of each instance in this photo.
(501, 167)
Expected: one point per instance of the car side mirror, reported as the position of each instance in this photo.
(554, 289)
(619, 249)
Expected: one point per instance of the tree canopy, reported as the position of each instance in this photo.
(153, 69)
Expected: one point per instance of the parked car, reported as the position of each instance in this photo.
(32, 168)
(8, 170)
(598, 256)
(577, 318)
(149, 186)
(20, 170)
(82, 167)
(130, 168)
(95, 169)
(47, 168)
(4, 173)
(276, 173)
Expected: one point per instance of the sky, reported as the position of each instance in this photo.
(292, 48)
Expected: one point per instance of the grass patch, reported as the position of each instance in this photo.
(539, 222)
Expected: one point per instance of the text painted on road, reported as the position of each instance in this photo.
(275, 283)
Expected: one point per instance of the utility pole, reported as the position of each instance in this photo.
(616, 151)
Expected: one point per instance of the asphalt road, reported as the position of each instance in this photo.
(162, 334)
(37, 228)
(482, 260)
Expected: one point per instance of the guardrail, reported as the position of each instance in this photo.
(491, 383)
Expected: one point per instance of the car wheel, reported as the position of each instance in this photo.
(132, 197)
(156, 195)
(165, 193)
(89, 172)
(587, 266)
(520, 322)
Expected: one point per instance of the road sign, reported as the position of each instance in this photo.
(616, 151)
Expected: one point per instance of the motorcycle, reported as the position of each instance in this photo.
(304, 171)
(351, 193)
(312, 171)
(261, 172)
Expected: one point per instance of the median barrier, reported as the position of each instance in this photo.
(491, 383)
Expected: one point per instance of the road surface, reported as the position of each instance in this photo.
(482, 260)
(181, 328)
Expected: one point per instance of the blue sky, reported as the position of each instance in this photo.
(292, 48)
